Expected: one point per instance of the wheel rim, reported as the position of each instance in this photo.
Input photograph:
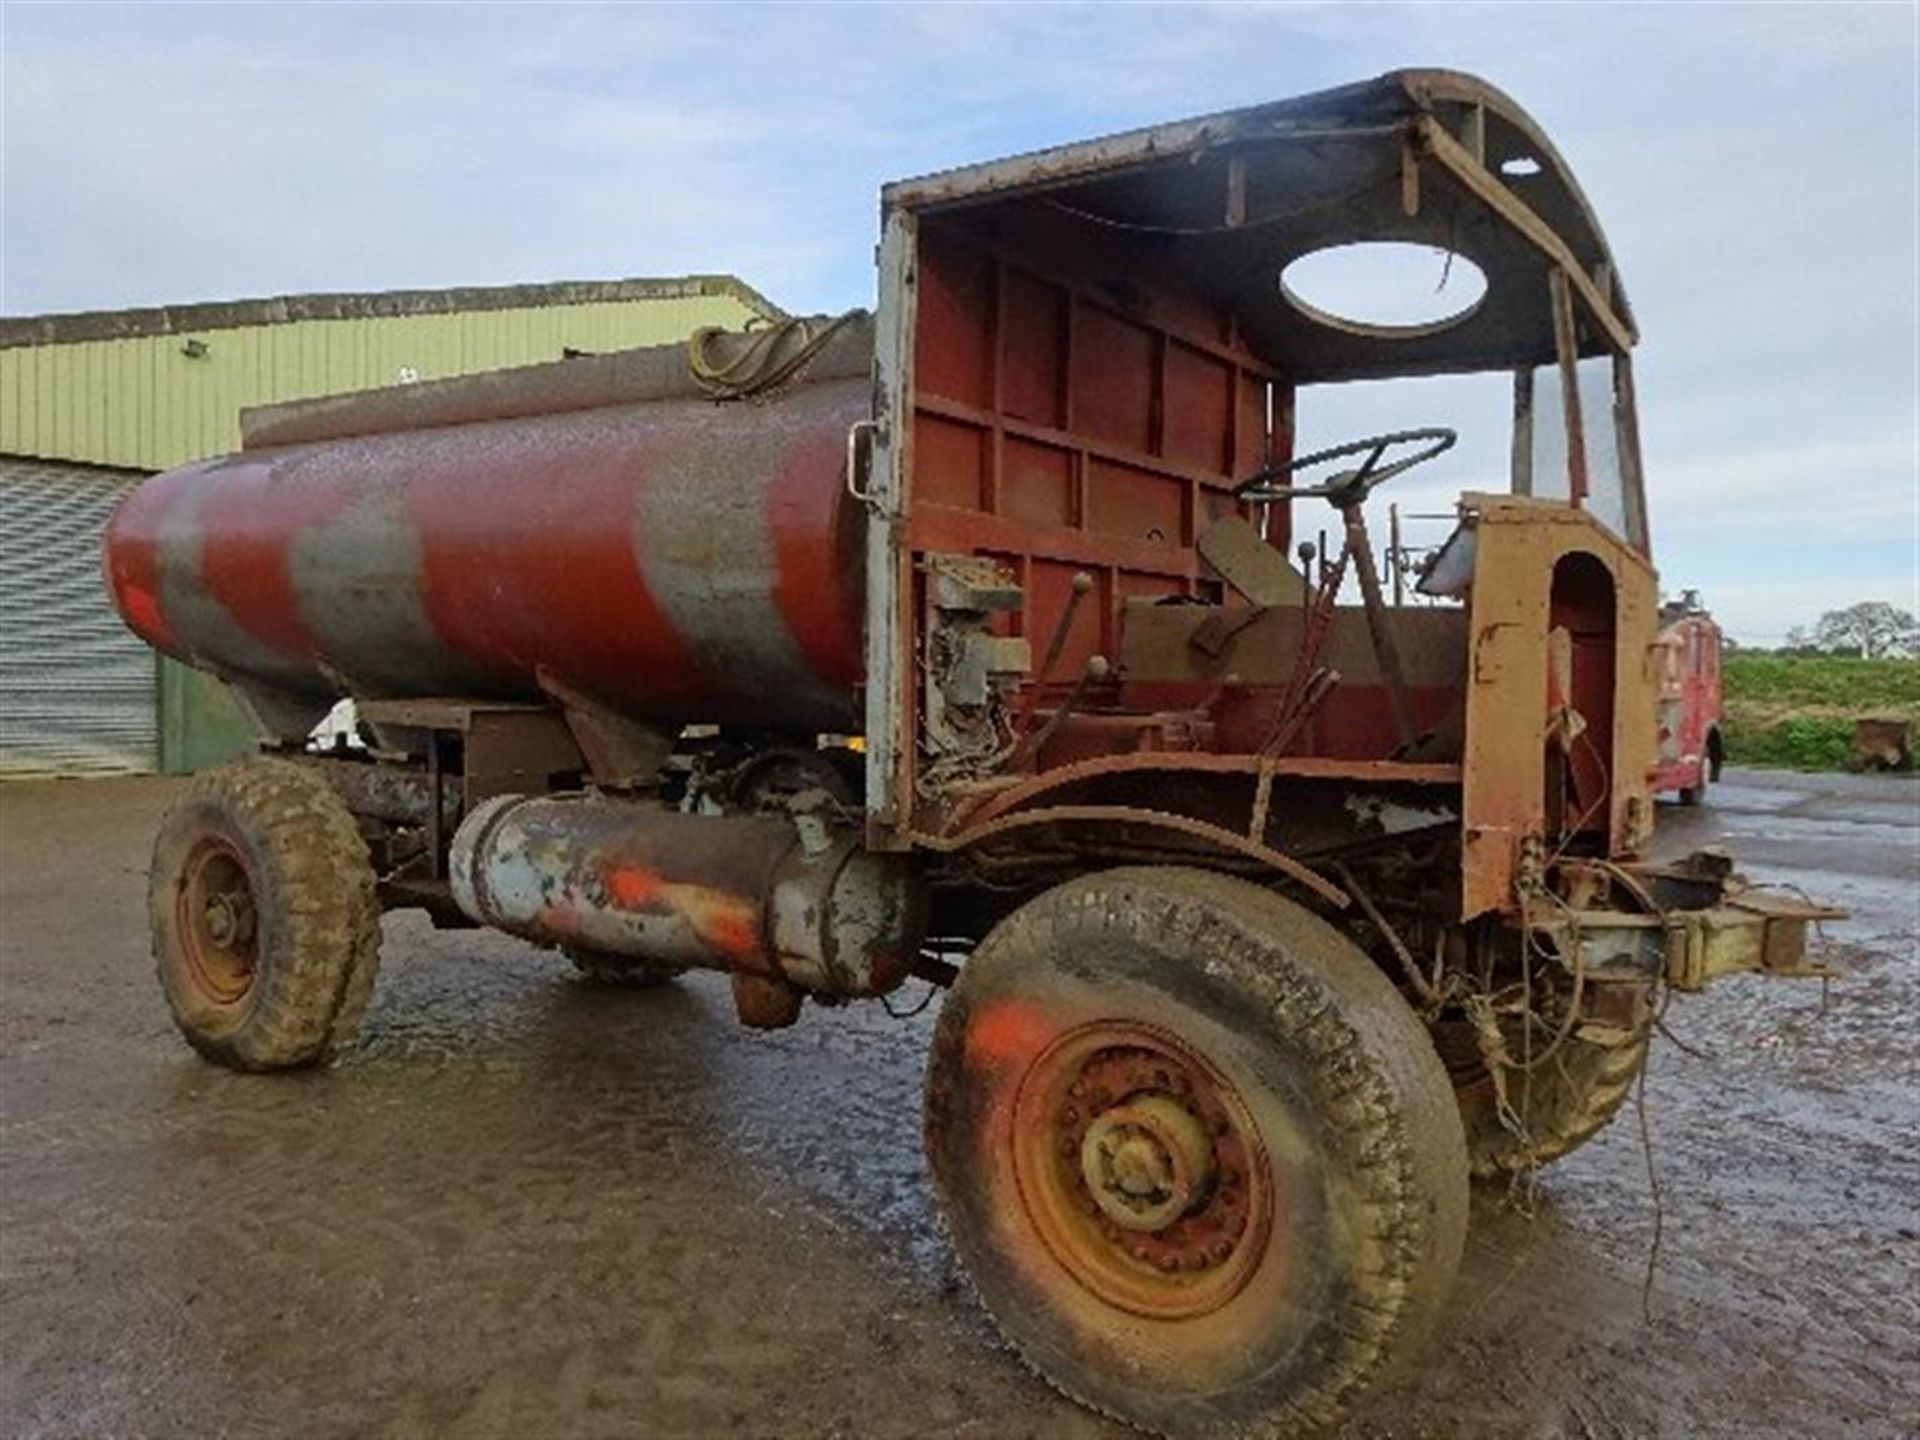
(218, 922)
(1139, 1167)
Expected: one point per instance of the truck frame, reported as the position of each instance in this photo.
(966, 640)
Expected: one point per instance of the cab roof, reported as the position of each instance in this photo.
(1225, 202)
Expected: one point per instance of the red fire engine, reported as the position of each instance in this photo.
(1692, 748)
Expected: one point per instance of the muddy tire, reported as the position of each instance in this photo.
(1559, 1106)
(1197, 1155)
(265, 921)
(622, 971)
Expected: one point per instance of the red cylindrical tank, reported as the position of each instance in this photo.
(676, 560)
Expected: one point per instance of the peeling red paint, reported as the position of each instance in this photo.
(1009, 1031)
(634, 888)
(244, 559)
(142, 610)
(732, 928)
(131, 564)
(541, 568)
(819, 590)
(726, 923)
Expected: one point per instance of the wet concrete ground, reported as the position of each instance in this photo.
(526, 1208)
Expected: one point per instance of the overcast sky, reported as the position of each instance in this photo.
(1754, 165)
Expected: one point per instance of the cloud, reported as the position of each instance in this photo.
(1754, 166)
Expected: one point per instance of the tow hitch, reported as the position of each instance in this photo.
(1695, 921)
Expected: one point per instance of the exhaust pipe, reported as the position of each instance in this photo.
(785, 903)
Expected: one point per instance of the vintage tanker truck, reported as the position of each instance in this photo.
(966, 640)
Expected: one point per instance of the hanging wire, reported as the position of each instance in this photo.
(886, 1003)
(1653, 1172)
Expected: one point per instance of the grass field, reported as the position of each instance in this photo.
(1800, 712)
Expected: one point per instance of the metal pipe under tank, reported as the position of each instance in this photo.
(792, 902)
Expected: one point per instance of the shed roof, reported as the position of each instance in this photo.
(205, 316)
(150, 388)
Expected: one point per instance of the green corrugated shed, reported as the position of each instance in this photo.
(107, 393)
(149, 389)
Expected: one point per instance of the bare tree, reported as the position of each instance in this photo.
(1872, 628)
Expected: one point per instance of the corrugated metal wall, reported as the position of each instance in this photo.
(77, 692)
(145, 403)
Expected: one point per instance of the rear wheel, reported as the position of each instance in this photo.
(1197, 1154)
(266, 926)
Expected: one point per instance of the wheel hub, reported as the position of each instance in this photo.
(1141, 1171)
(1146, 1162)
(230, 918)
(217, 921)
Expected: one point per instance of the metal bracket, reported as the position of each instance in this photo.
(621, 753)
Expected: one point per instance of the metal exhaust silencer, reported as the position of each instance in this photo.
(793, 899)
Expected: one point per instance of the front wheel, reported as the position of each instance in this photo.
(1197, 1154)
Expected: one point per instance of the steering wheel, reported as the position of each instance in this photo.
(1348, 487)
